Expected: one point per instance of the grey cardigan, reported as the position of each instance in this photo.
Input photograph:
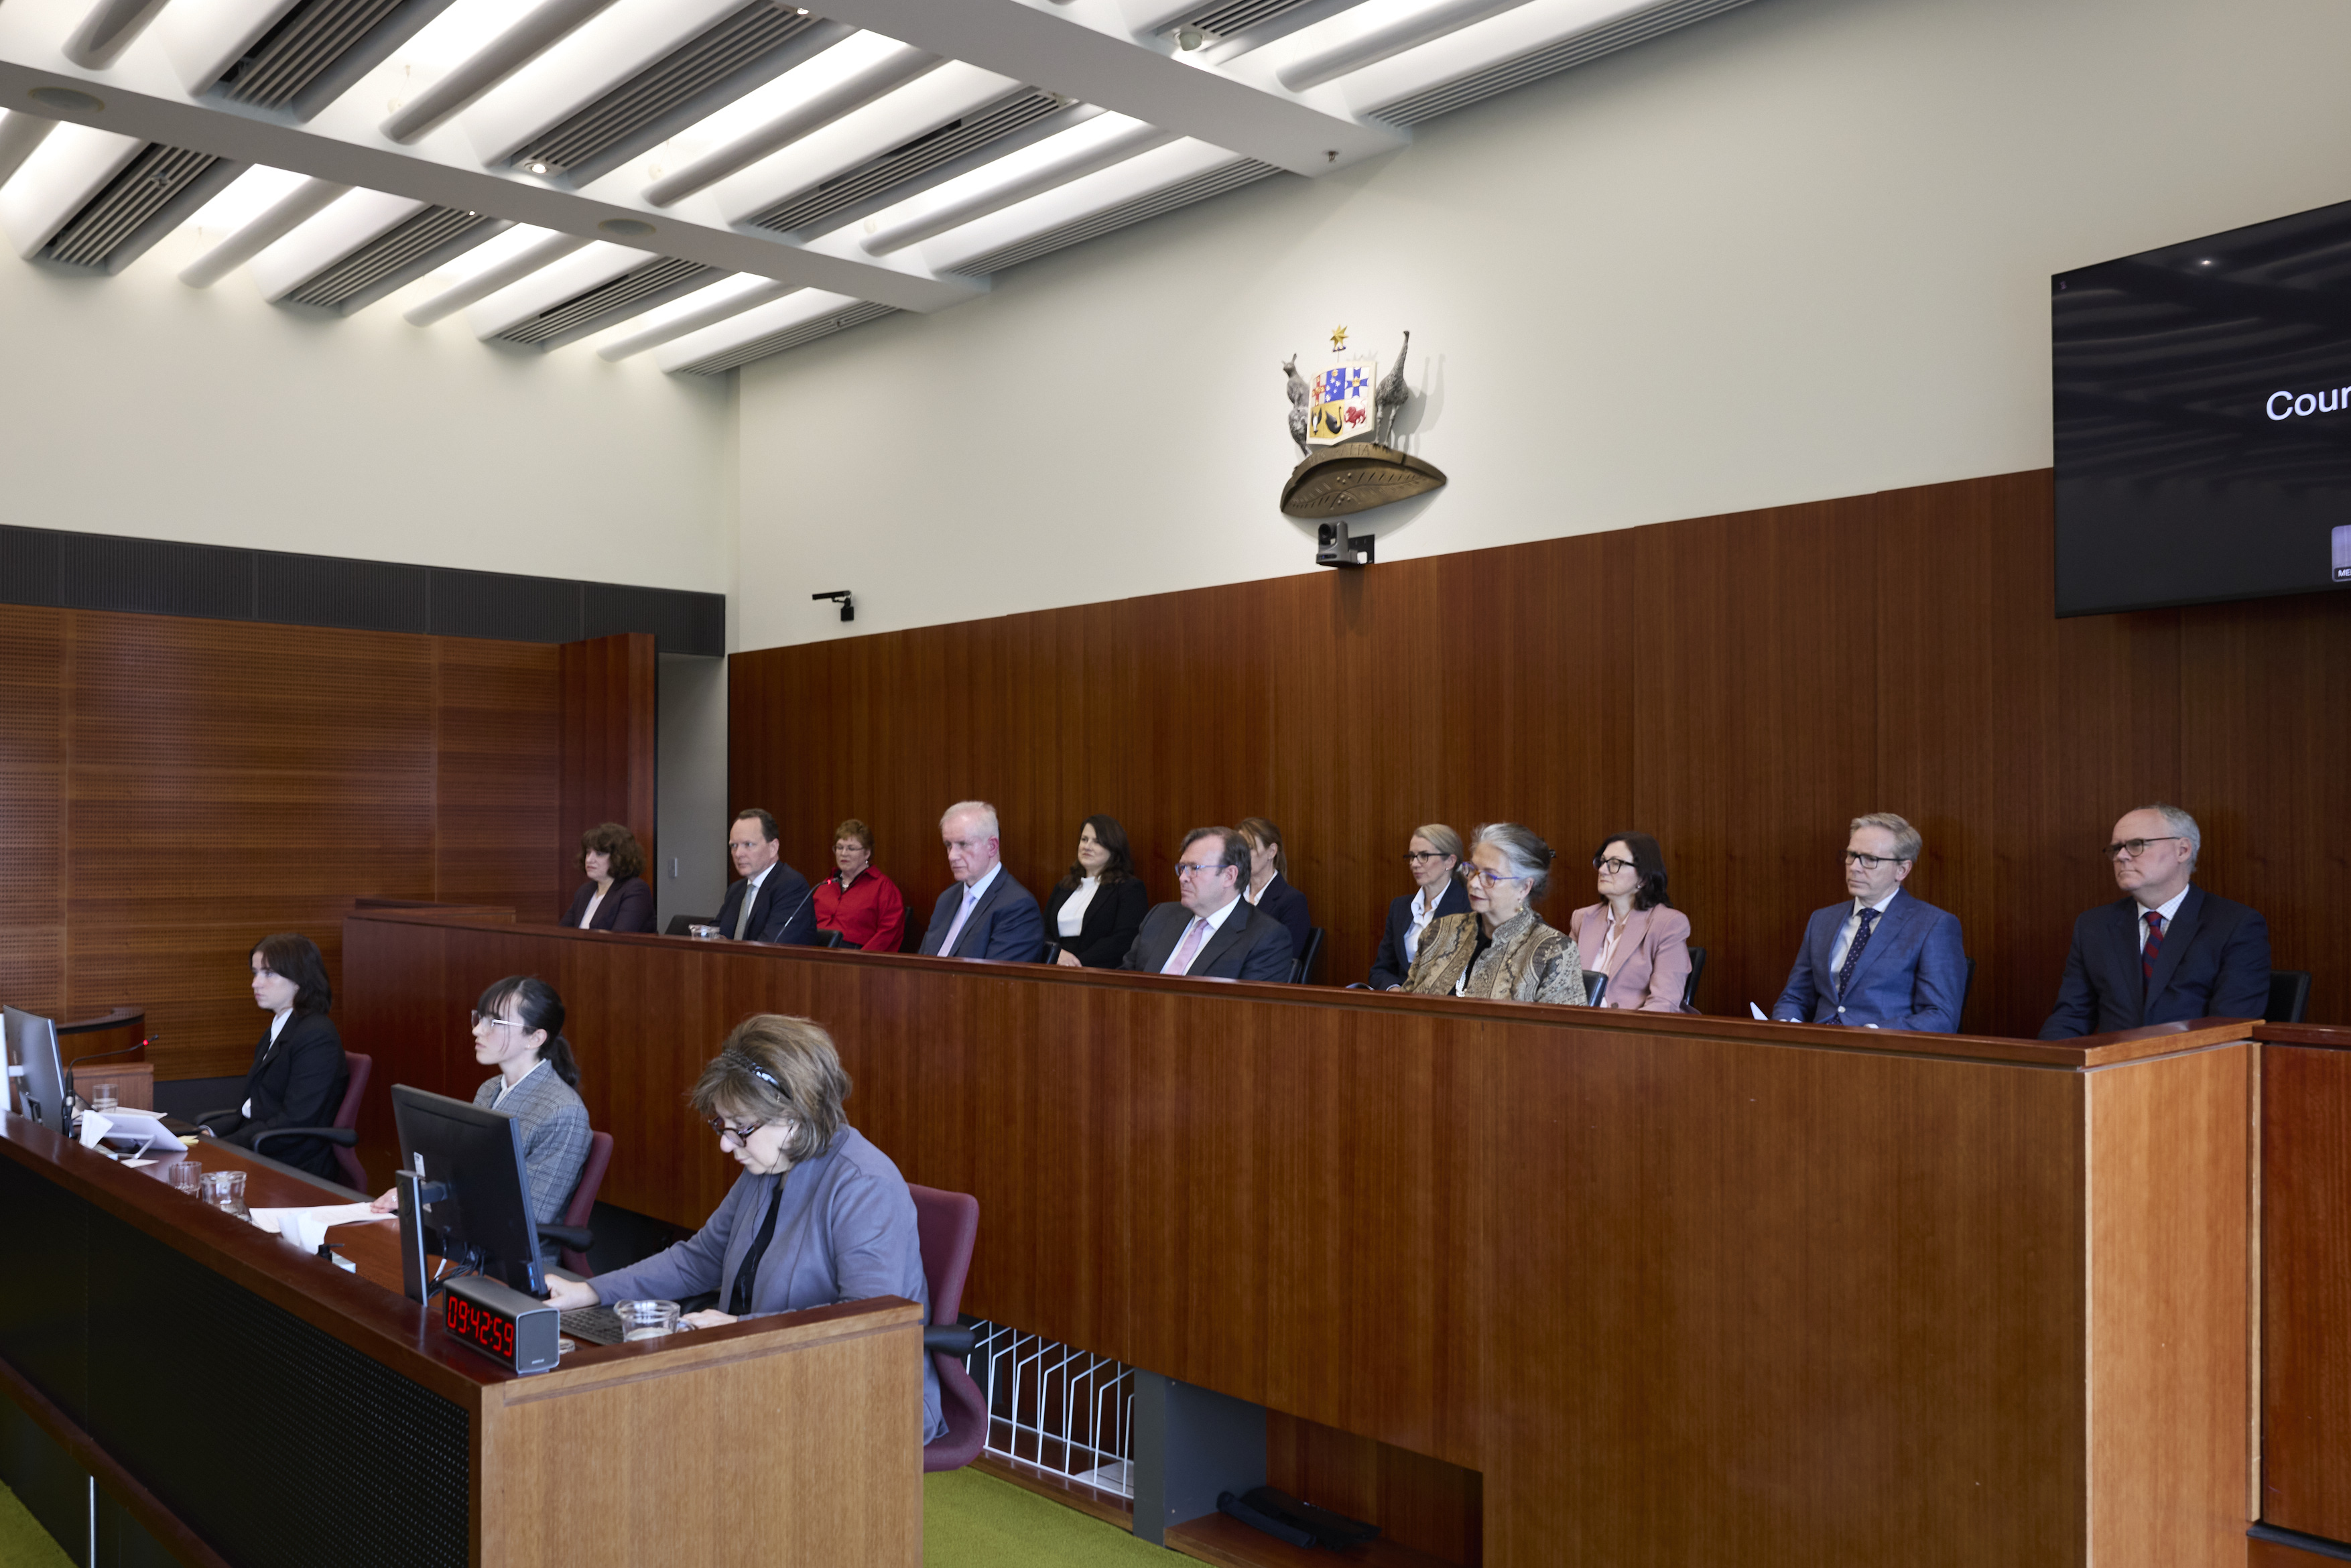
(845, 1233)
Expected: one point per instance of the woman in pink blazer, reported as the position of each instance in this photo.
(1633, 935)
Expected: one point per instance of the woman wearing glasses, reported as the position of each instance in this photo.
(518, 1029)
(1433, 855)
(818, 1215)
(1501, 950)
(1633, 935)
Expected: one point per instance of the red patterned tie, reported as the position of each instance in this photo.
(2154, 947)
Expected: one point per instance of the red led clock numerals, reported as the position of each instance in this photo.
(466, 1320)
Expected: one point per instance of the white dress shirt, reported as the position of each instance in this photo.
(2169, 912)
(587, 916)
(277, 1027)
(506, 1089)
(1073, 914)
(1424, 910)
(1215, 923)
(1853, 924)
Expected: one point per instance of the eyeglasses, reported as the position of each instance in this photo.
(1870, 862)
(479, 1019)
(740, 1134)
(1414, 857)
(2137, 847)
(1610, 864)
(745, 846)
(1189, 868)
(1475, 874)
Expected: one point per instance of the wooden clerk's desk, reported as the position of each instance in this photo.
(1680, 1291)
(250, 1407)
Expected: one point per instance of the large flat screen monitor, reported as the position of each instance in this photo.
(36, 1080)
(2202, 401)
(484, 1221)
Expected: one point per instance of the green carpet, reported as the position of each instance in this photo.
(24, 1544)
(974, 1520)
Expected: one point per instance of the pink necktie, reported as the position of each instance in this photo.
(1182, 963)
(947, 948)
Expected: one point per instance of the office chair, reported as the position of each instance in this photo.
(949, 1223)
(1966, 985)
(1595, 985)
(2289, 996)
(582, 1207)
(678, 924)
(1689, 987)
(831, 938)
(344, 1134)
(1053, 954)
(1304, 964)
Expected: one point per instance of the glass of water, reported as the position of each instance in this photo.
(646, 1319)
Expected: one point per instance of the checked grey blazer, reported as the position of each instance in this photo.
(554, 1140)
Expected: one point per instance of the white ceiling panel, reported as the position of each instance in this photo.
(67, 169)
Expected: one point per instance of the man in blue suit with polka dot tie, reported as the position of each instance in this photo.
(1882, 959)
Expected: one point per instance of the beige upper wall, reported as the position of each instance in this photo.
(1799, 251)
(137, 405)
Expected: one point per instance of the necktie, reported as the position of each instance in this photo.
(1197, 933)
(738, 1299)
(2152, 950)
(1852, 954)
(947, 948)
(743, 915)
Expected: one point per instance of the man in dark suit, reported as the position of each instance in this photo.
(2165, 951)
(772, 903)
(1211, 931)
(987, 913)
(1882, 958)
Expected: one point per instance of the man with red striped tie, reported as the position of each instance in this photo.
(2167, 951)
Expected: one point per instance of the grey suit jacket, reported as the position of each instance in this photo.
(1250, 945)
(554, 1141)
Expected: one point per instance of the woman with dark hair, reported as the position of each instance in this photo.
(299, 1077)
(818, 1215)
(857, 900)
(1501, 950)
(1635, 935)
(1096, 908)
(614, 897)
(1269, 889)
(518, 1029)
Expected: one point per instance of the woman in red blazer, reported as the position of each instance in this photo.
(857, 900)
(1633, 935)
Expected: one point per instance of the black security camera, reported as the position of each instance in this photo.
(1332, 546)
(847, 610)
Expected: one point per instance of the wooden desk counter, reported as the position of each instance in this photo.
(340, 1423)
(1682, 1290)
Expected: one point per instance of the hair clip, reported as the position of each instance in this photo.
(750, 1064)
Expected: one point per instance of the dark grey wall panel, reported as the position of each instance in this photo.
(157, 578)
(358, 595)
(492, 604)
(31, 564)
(680, 622)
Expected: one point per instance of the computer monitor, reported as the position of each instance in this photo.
(37, 1078)
(483, 1220)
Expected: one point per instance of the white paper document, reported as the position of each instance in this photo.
(306, 1228)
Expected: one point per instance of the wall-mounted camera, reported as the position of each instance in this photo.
(1334, 546)
(847, 610)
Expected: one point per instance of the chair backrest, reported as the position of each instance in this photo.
(828, 937)
(678, 924)
(347, 1115)
(1595, 987)
(1053, 954)
(582, 1207)
(2289, 996)
(1689, 986)
(1966, 986)
(1303, 968)
(948, 1224)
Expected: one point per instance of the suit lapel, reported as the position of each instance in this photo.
(1223, 939)
(2176, 937)
(1898, 915)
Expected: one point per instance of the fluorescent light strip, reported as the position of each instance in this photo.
(72, 164)
(1370, 45)
(306, 200)
(202, 38)
(726, 298)
(540, 249)
(108, 30)
(581, 68)
(547, 24)
(346, 224)
(1073, 155)
(1518, 31)
(1154, 170)
(20, 133)
(892, 71)
(808, 305)
(599, 262)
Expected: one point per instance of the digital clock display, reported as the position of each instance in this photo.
(491, 1330)
(514, 1329)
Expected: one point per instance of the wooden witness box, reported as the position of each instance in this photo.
(248, 1406)
(1526, 1285)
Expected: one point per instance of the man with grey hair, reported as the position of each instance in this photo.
(2167, 951)
(987, 913)
(1882, 958)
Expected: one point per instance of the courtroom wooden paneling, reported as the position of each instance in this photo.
(1740, 685)
(1423, 1504)
(172, 790)
(1679, 1290)
(609, 709)
(2306, 1287)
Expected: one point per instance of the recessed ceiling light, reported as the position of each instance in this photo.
(73, 101)
(631, 227)
(534, 166)
(2206, 262)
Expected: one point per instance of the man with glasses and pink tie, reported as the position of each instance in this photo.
(2167, 951)
(1881, 959)
(1211, 931)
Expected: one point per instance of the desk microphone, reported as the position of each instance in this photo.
(96, 1056)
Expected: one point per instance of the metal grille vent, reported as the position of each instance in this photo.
(629, 294)
(728, 45)
(306, 41)
(149, 181)
(1465, 90)
(419, 236)
(788, 338)
(900, 165)
(1228, 17)
(1150, 204)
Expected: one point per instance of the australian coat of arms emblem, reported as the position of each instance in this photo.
(1343, 417)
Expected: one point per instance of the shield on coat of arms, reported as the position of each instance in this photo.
(1341, 405)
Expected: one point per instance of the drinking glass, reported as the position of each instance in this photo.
(646, 1319)
(184, 1175)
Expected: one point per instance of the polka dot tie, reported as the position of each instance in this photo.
(1852, 954)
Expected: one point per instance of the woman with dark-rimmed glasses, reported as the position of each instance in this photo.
(1634, 935)
(1501, 950)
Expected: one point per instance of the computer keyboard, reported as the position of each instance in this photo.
(596, 1326)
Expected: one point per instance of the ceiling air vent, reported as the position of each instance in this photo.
(788, 338)
(399, 255)
(153, 195)
(1015, 121)
(630, 294)
(1150, 204)
(318, 49)
(726, 60)
(1484, 83)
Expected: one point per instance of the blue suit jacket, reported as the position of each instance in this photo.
(1007, 927)
(1912, 974)
(2214, 963)
(1390, 968)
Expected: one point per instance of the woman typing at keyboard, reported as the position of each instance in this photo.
(818, 1215)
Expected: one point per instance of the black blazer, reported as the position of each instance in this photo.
(1109, 926)
(1004, 926)
(298, 1081)
(1249, 945)
(1287, 904)
(784, 911)
(628, 908)
(2215, 963)
(1390, 968)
